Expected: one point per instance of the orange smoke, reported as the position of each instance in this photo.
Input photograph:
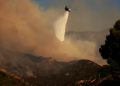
(25, 27)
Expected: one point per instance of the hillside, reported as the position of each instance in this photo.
(7, 79)
(41, 71)
(46, 71)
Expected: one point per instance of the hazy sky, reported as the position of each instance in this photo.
(89, 15)
(48, 3)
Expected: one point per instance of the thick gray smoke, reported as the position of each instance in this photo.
(60, 26)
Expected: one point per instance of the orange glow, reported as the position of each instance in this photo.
(100, 64)
(35, 76)
(37, 63)
(29, 74)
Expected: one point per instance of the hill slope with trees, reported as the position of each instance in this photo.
(7, 79)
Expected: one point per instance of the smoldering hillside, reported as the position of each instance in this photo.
(27, 28)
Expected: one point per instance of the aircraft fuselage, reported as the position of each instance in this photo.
(67, 9)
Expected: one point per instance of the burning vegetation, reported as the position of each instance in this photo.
(50, 71)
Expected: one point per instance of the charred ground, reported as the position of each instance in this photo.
(41, 71)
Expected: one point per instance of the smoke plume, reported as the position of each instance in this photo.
(26, 28)
(60, 25)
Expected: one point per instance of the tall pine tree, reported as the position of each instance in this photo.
(111, 49)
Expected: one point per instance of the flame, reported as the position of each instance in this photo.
(29, 74)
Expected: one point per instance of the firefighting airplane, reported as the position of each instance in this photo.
(67, 9)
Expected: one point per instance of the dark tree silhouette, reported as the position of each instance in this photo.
(111, 49)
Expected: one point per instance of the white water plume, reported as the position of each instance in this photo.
(60, 25)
